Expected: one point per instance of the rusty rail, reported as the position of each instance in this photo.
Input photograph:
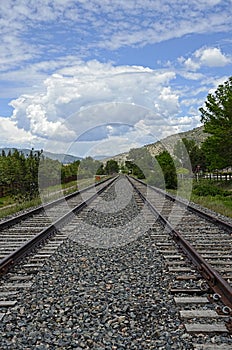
(13, 258)
(213, 278)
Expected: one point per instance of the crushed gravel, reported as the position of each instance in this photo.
(87, 297)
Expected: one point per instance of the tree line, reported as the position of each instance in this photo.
(23, 175)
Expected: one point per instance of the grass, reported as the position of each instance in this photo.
(6, 201)
(217, 195)
(17, 207)
(9, 206)
(219, 204)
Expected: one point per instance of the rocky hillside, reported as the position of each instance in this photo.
(168, 143)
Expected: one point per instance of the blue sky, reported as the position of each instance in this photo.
(100, 76)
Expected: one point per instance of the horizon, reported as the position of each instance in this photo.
(97, 77)
(98, 157)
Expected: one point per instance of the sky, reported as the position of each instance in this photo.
(98, 77)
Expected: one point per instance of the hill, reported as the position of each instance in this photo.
(168, 143)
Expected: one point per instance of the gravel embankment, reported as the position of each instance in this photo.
(103, 299)
(86, 298)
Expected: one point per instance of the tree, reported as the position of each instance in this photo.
(217, 118)
(142, 161)
(19, 173)
(189, 154)
(168, 168)
(134, 169)
(49, 172)
(100, 170)
(88, 168)
(69, 171)
(111, 167)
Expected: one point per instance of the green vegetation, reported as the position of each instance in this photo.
(189, 155)
(217, 118)
(208, 188)
(19, 174)
(214, 195)
(167, 165)
(218, 204)
(214, 154)
(17, 207)
(158, 171)
(88, 168)
(21, 177)
(24, 177)
(27, 181)
(110, 168)
(9, 206)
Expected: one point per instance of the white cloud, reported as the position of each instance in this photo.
(27, 34)
(168, 102)
(191, 65)
(11, 135)
(192, 75)
(84, 96)
(209, 57)
(212, 57)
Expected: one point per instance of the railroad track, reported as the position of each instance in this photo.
(125, 214)
(24, 233)
(197, 248)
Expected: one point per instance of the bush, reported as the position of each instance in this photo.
(208, 190)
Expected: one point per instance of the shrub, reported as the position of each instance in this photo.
(208, 190)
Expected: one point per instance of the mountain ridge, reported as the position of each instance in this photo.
(197, 134)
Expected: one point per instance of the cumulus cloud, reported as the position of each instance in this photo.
(11, 135)
(95, 93)
(42, 63)
(94, 102)
(212, 57)
(209, 57)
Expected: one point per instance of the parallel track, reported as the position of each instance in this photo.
(195, 246)
(22, 234)
(204, 239)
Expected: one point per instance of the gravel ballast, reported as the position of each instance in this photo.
(89, 297)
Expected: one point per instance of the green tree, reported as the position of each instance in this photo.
(168, 168)
(88, 168)
(49, 172)
(111, 167)
(100, 170)
(69, 171)
(134, 169)
(189, 154)
(19, 173)
(217, 118)
(143, 162)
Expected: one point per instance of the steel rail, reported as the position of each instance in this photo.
(217, 221)
(213, 278)
(20, 217)
(13, 258)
